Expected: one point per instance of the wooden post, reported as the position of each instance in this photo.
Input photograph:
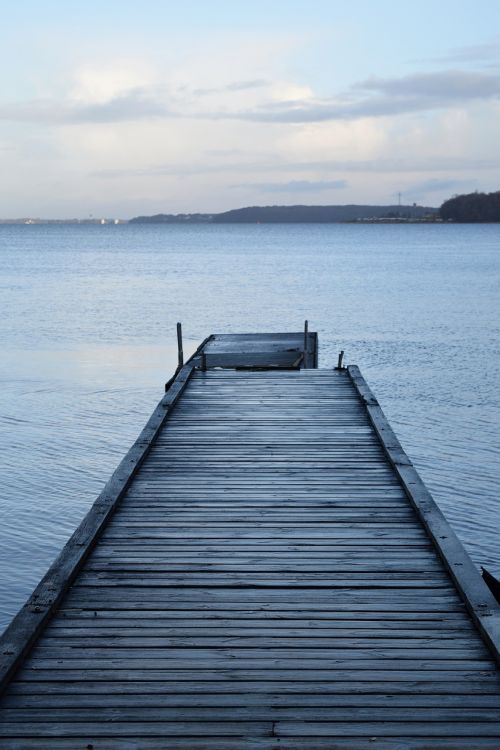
(306, 336)
(339, 364)
(180, 353)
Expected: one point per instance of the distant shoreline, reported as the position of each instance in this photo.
(298, 214)
(126, 222)
(473, 208)
(92, 222)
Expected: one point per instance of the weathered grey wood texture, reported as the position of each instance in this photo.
(262, 350)
(264, 583)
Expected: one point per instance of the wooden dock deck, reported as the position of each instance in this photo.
(264, 571)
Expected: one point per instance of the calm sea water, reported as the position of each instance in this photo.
(88, 331)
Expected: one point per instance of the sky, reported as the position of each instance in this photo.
(116, 109)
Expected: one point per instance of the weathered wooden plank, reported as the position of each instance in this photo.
(251, 742)
(281, 728)
(46, 648)
(386, 729)
(263, 619)
(162, 729)
(218, 659)
(47, 698)
(365, 600)
(261, 548)
(115, 555)
(357, 715)
(262, 561)
(213, 578)
(141, 566)
(449, 647)
(375, 531)
(181, 517)
(278, 628)
(108, 601)
(262, 684)
(200, 674)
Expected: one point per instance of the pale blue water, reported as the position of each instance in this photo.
(87, 335)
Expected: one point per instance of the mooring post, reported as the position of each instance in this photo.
(339, 363)
(306, 335)
(180, 353)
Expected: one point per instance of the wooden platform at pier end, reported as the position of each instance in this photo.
(264, 571)
(262, 350)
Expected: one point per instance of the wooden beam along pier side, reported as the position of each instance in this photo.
(265, 570)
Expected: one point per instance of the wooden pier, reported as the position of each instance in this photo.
(264, 571)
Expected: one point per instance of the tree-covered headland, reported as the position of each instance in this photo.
(474, 207)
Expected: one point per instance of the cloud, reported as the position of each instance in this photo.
(296, 186)
(373, 97)
(445, 86)
(224, 152)
(269, 163)
(90, 104)
(133, 105)
(470, 54)
(256, 83)
(379, 97)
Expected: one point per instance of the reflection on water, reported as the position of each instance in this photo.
(89, 313)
